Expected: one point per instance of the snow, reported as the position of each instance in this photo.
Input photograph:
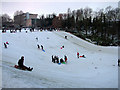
(98, 70)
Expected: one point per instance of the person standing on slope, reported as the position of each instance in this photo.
(78, 54)
(5, 45)
(38, 46)
(52, 59)
(57, 58)
(118, 62)
(65, 58)
(42, 47)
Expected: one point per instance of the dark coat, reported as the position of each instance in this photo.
(42, 47)
(38, 46)
(20, 62)
(61, 60)
(5, 45)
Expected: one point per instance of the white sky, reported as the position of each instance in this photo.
(59, 0)
(53, 6)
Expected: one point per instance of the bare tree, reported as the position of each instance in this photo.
(18, 12)
(108, 11)
(79, 14)
(69, 12)
(87, 12)
(116, 14)
(5, 18)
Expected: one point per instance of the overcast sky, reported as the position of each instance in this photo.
(51, 6)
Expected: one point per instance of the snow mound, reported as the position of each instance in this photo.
(99, 66)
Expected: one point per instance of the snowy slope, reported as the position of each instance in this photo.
(98, 70)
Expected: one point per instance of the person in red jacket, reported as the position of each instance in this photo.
(65, 58)
(78, 54)
(7, 43)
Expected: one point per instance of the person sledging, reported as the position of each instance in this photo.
(21, 66)
(61, 60)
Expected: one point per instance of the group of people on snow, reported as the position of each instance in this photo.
(55, 59)
(38, 46)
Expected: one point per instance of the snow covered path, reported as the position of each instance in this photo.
(98, 70)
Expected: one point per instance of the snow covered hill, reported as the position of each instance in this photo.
(98, 70)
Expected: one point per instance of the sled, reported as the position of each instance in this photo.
(43, 50)
(17, 67)
(59, 63)
(63, 63)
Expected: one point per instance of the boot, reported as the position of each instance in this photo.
(31, 69)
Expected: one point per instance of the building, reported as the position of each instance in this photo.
(25, 20)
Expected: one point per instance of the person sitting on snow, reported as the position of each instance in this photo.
(83, 56)
(52, 59)
(61, 60)
(20, 64)
(118, 62)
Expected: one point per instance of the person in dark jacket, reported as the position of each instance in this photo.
(118, 62)
(65, 37)
(52, 59)
(38, 46)
(21, 66)
(57, 58)
(61, 60)
(37, 39)
(42, 47)
(5, 45)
